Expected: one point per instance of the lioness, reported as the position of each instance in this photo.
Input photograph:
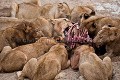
(14, 59)
(30, 10)
(91, 67)
(77, 53)
(47, 66)
(25, 11)
(59, 26)
(51, 27)
(95, 23)
(110, 36)
(19, 34)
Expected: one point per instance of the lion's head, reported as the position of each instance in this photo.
(106, 35)
(24, 33)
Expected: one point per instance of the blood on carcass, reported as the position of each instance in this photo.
(76, 35)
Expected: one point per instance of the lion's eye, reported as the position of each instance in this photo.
(86, 16)
(94, 25)
(80, 16)
(109, 25)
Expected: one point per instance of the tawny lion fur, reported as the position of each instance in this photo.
(110, 36)
(19, 34)
(91, 67)
(95, 23)
(81, 12)
(14, 59)
(47, 66)
(31, 10)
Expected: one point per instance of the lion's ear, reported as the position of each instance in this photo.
(60, 5)
(92, 13)
(116, 31)
(66, 19)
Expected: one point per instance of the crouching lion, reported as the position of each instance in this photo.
(91, 67)
(48, 65)
(14, 59)
(110, 36)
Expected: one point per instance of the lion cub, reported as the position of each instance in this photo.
(77, 53)
(110, 36)
(48, 65)
(91, 67)
(14, 59)
(95, 23)
(29, 9)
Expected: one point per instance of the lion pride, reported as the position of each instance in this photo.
(14, 59)
(47, 66)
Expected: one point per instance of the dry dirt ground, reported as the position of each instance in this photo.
(102, 7)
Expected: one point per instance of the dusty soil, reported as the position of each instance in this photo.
(102, 7)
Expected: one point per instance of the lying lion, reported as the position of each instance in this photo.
(47, 66)
(31, 9)
(110, 36)
(14, 59)
(95, 23)
(51, 27)
(91, 67)
(20, 34)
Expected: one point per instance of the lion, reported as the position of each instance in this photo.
(19, 34)
(76, 56)
(59, 25)
(14, 59)
(29, 9)
(51, 27)
(63, 11)
(91, 67)
(81, 13)
(95, 23)
(42, 26)
(54, 11)
(47, 66)
(110, 37)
